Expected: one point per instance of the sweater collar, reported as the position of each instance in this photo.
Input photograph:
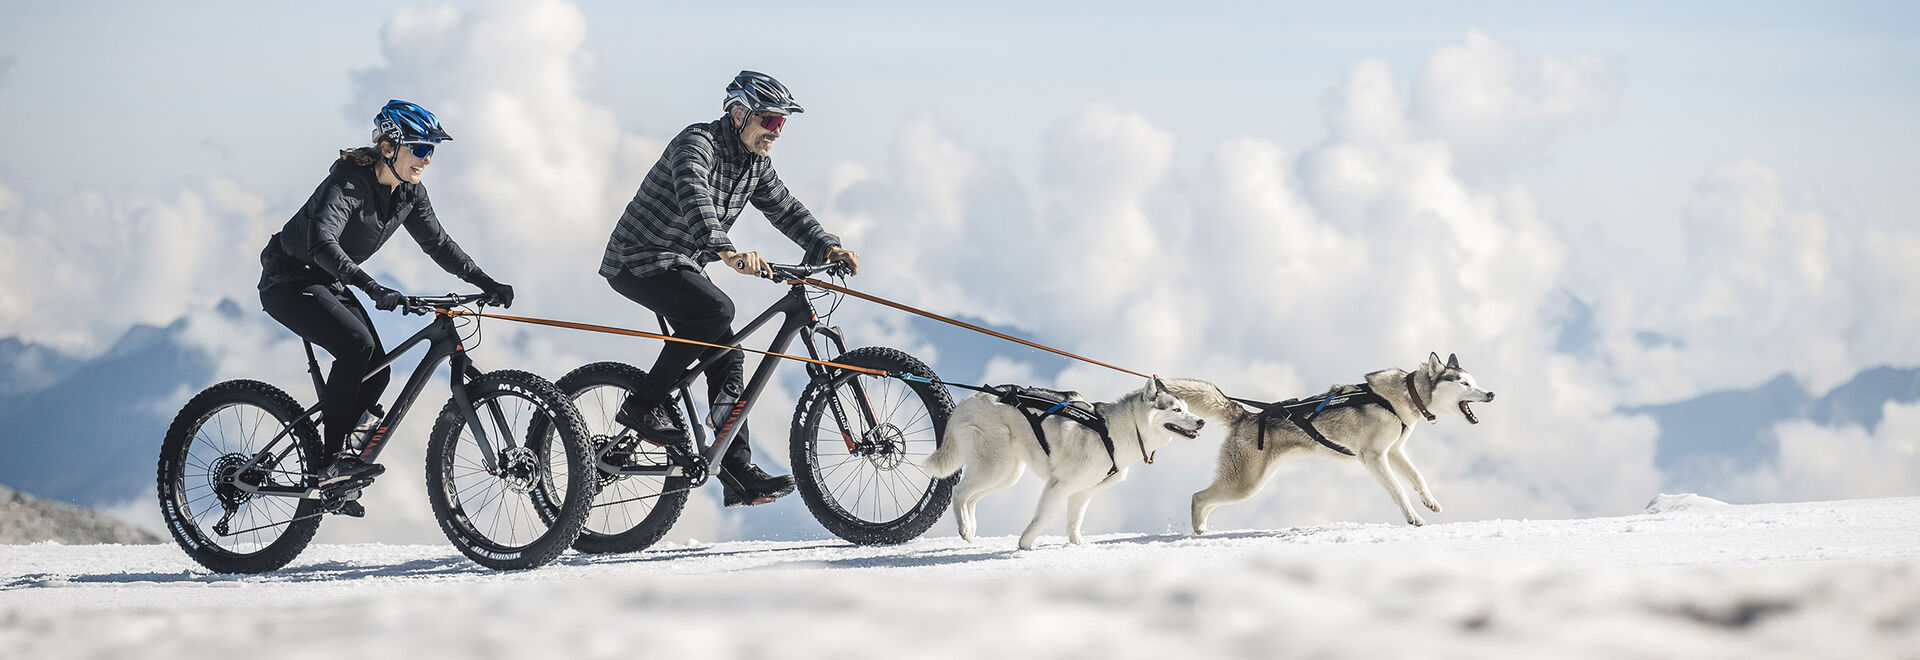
(728, 137)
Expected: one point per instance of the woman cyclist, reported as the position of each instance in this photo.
(370, 192)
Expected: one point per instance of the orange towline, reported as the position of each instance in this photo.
(654, 335)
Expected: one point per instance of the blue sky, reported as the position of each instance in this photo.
(1275, 197)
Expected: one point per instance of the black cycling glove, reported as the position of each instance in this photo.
(497, 293)
(384, 299)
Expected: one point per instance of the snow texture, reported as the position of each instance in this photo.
(1824, 579)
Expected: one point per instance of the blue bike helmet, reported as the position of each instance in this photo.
(406, 123)
(759, 92)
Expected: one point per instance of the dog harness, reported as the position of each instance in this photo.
(1301, 412)
(1038, 403)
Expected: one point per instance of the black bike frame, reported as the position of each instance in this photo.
(443, 344)
(798, 318)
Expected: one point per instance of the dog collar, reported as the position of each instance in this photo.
(1417, 403)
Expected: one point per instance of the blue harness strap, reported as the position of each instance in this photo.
(1296, 411)
(1038, 404)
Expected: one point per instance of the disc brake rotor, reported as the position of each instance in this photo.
(887, 446)
(519, 469)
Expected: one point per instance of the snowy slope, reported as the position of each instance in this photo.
(1691, 578)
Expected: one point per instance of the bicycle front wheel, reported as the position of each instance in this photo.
(491, 513)
(860, 470)
(208, 451)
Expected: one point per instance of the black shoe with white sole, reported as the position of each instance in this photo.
(751, 486)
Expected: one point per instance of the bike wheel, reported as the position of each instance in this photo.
(224, 528)
(491, 515)
(866, 484)
(631, 512)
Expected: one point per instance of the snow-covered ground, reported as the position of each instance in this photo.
(1690, 579)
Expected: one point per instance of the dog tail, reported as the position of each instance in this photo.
(950, 456)
(1207, 400)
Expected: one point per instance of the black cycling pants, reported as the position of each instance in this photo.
(332, 318)
(695, 309)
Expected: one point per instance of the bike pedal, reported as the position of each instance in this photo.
(337, 489)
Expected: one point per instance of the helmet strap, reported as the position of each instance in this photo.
(390, 161)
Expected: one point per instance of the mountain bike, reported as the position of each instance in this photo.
(239, 470)
(857, 439)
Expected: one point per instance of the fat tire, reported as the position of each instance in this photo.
(813, 404)
(174, 508)
(562, 421)
(666, 508)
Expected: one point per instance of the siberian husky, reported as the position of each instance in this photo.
(994, 441)
(1374, 433)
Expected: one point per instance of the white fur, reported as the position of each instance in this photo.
(1377, 437)
(994, 443)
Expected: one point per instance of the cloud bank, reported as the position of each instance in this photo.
(1273, 270)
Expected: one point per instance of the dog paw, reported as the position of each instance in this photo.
(1199, 530)
(1076, 540)
(1416, 521)
(1433, 506)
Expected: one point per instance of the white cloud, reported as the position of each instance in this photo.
(1489, 105)
(84, 269)
(1819, 463)
(1765, 274)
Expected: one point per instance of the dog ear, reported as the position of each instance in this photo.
(1159, 386)
(1433, 363)
(1453, 361)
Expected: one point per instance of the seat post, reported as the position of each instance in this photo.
(313, 368)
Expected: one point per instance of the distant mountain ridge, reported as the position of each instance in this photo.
(28, 519)
(1714, 435)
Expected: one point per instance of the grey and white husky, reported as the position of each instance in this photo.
(995, 441)
(1376, 434)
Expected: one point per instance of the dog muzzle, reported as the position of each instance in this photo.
(1185, 433)
(1468, 412)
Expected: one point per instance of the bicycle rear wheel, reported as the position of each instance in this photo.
(224, 528)
(864, 482)
(631, 512)
(492, 515)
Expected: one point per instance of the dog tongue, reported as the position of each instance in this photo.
(1464, 410)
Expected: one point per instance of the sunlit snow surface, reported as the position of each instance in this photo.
(1825, 579)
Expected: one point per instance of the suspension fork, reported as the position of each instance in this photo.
(833, 402)
(463, 374)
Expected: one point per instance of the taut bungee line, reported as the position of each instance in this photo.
(963, 324)
(654, 335)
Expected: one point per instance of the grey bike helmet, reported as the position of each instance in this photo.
(759, 92)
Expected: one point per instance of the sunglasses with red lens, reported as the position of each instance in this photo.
(773, 122)
(420, 149)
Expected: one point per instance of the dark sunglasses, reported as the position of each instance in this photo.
(773, 122)
(420, 149)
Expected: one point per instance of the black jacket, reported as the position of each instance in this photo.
(346, 220)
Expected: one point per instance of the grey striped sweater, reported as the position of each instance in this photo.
(691, 198)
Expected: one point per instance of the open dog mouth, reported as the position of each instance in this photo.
(1186, 433)
(1464, 410)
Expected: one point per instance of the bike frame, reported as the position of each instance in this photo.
(443, 344)
(798, 318)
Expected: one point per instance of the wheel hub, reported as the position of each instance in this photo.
(886, 446)
(618, 455)
(519, 469)
(225, 473)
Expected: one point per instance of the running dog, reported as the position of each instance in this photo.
(1370, 422)
(994, 441)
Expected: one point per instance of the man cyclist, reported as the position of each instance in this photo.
(370, 193)
(677, 224)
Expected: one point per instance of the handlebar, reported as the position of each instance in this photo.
(424, 305)
(790, 272)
